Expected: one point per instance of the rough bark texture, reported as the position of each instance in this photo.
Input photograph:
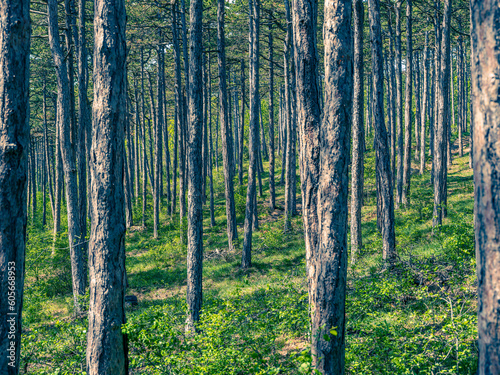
(357, 132)
(195, 193)
(272, 193)
(485, 64)
(288, 72)
(106, 344)
(254, 7)
(14, 144)
(383, 168)
(425, 100)
(242, 122)
(441, 132)
(405, 197)
(227, 142)
(78, 269)
(399, 106)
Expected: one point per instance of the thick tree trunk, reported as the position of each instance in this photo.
(254, 7)
(357, 132)
(195, 196)
(14, 145)
(383, 168)
(405, 197)
(106, 344)
(78, 267)
(440, 156)
(485, 36)
(227, 143)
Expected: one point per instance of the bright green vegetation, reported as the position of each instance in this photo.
(419, 318)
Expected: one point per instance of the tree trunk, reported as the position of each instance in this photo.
(106, 344)
(46, 148)
(405, 197)
(383, 168)
(418, 108)
(14, 145)
(399, 106)
(425, 106)
(178, 103)
(195, 195)
(254, 7)
(78, 267)
(160, 124)
(485, 35)
(357, 132)
(144, 147)
(211, 153)
(227, 143)
(242, 122)
(440, 163)
(272, 193)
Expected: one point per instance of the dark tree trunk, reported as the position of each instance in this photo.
(399, 106)
(14, 145)
(144, 147)
(160, 124)
(46, 148)
(195, 140)
(178, 105)
(254, 7)
(242, 122)
(485, 35)
(78, 267)
(418, 108)
(383, 168)
(440, 154)
(227, 143)
(272, 194)
(425, 106)
(405, 198)
(106, 344)
(211, 153)
(357, 132)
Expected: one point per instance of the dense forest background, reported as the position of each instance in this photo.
(411, 284)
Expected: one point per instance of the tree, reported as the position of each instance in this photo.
(14, 144)
(106, 344)
(405, 197)
(195, 195)
(485, 65)
(357, 131)
(78, 267)
(382, 162)
(227, 142)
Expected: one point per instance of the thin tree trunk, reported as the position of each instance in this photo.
(242, 122)
(425, 106)
(14, 145)
(357, 132)
(78, 267)
(272, 194)
(227, 143)
(399, 106)
(254, 7)
(211, 153)
(405, 197)
(46, 149)
(418, 108)
(144, 147)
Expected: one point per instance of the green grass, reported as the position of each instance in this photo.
(419, 318)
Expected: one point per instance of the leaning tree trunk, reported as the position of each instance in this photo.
(195, 140)
(106, 343)
(405, 197)
(227, 143)
(78, 267)
(383, 168)
(14, 144)
(440, 151)
(254, 7)
(357, 132)
(485, 36)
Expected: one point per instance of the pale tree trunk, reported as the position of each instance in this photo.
(242, 123)
(195, 195)
(14, 145)
(285, 137)
(425, 106)
(178, 104)
(254, 7)
(144, 146)
(46, 148)
(227, 143)
(272, 194)
(440, 154)
(405, 197)
(160, 124)
(78, 268)
(392, 99)
(288, 55)
(106, 344)
(399, 107)
(418, 108)
(485, 36)
(357, 132)
(211, 153)
(383, 168)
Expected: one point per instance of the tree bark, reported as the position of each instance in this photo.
(272, 193)
(78, 268)
(357, 132)
(399, 106)
(425, 106)
(383, 168)
(227, 143)
(485, 81)
(14, 145)
(405, 197)
(195, 195)
(254, 7)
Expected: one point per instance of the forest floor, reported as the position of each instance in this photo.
(419, 318)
